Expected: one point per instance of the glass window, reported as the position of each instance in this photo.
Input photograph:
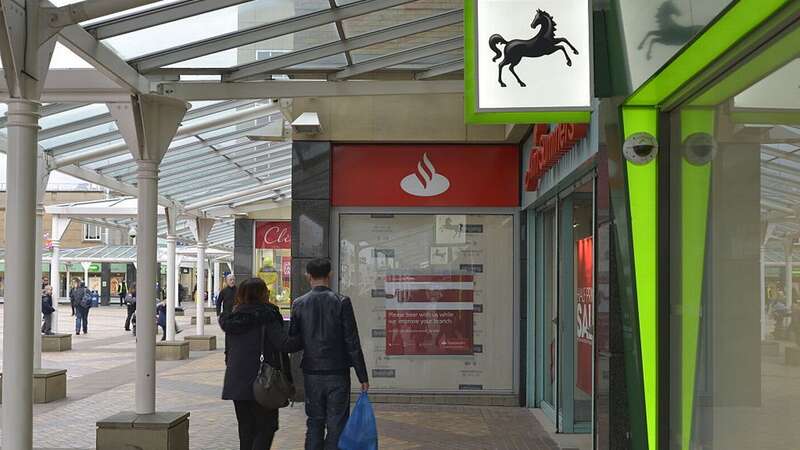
(92, 232)
(434, 298)
(734, 229)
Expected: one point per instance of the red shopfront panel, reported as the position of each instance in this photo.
(426, 175)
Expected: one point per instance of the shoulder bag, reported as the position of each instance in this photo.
(271, 388)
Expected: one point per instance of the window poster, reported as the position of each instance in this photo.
(434, 299)
(584, 303)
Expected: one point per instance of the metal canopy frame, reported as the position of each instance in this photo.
(390, 47)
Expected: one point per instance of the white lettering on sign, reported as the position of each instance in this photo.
(277, 235)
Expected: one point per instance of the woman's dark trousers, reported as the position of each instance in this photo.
(257, 425)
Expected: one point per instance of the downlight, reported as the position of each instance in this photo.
(640, 148)
(699, 148)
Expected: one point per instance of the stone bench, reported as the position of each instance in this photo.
(58, 342)
(207, 320)
(172, 350)
(201, 343)
(159, 431)
(49, 385)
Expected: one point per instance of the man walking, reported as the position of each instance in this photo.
(325, 321)
(83, 301)
(227, 296)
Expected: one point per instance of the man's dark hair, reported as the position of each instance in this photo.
(318, 268)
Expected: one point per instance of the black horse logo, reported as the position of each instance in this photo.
(544, 43)
(669, 32)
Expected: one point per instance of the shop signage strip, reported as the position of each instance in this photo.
(503, 86)
(548, 148)
(411, 175)
(274, 235)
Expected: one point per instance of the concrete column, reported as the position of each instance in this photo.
(217, 278)
(172, 286)
(86, 266)
(55, 280)
(788, 252)
(201, 286)
(146, 241)
(37, 286)
(23, 130)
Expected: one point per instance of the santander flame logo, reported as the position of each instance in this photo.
(425, 182)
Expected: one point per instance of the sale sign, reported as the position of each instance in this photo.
(274, 235)
(584, 314)
(429, 314)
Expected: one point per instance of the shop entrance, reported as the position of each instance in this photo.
(564, 308)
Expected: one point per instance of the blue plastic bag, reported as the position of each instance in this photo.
(360, 433)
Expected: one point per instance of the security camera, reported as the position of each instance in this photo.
(132, 233)
(640, 148)
(699, 148)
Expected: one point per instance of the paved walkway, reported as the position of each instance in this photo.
(101, 383)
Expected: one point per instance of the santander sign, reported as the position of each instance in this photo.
(425, 182)
(548, 148)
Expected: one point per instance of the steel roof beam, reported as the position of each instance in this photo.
(89, 9)
(233, 195)
(157, 16)
(400, 57)
(441, 69)
(364, 40)
(260, 33)
(71, 127)
(299, 89)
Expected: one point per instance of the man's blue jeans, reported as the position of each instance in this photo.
(81, 318)
(327, 400)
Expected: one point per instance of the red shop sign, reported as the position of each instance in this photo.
(548, 148)
(275, 235)
(425, 175)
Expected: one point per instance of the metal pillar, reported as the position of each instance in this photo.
(86, 266)
(41, 178)
(146, 242)
(201, 286)
(55, 274)
(23, 130)
(217, 278)
(210, 282)
(172, 286)
(148, 125)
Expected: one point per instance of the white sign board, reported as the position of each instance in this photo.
(533, 55)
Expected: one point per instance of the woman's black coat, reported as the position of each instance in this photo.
(243, 332)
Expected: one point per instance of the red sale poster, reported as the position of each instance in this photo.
(584, 303)
(429, 314)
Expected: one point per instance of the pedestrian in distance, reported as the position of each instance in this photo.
(130, 302)
(252, 327)
(326, 323)
(225, 301)
(47, 310)
(123, 292)
(72, 299)
(83, 303)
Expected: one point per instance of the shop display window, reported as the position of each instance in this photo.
(273, 261)
(434, 299)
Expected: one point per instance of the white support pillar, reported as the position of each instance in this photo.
(18, 332)
(86, 265)
(172, 285)
(148, 125)
(55, 280)
(217, 278)
(210, 282)
(42, 176)
(178, 261)
(201, 229)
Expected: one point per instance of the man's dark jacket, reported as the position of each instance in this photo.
(327, 324)
(226, 300)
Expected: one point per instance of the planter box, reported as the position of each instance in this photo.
(159, 431)
(201, 343)
(172, 350)
(59, 342)
(49, 385)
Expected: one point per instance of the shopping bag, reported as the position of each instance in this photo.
(360, 433)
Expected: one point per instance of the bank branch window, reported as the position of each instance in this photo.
(434, 298)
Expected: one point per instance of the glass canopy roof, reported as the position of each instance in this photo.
(225, 147)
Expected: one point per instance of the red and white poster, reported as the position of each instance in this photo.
(274, 235)
(584, 301)
(429, 314)
(426, 175)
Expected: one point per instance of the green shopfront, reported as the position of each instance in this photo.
(705, 189)
(682, 207)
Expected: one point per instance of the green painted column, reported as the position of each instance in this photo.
(643, 206)
(695, 181)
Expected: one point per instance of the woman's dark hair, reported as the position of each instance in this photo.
(252, 292)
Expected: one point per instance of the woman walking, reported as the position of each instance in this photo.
(253, 319)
